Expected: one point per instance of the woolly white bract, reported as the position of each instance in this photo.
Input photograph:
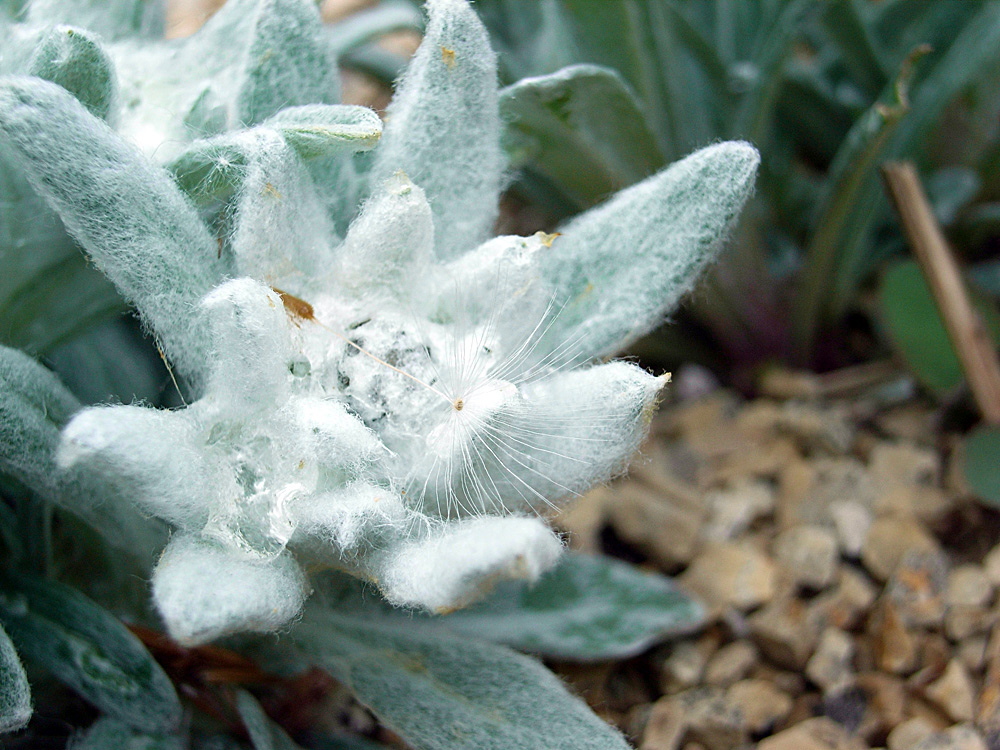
(400, 402)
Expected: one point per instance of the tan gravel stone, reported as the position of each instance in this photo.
(761, 704)
(895, 646)
(808, 555)
(917, 588)
(953, 692)
(991, 565)
(889, 540)
(887, 701)
(711, 720)
(926, 504)
(784, 633)
(733, 510)
(904, 464)
(972, 652)
(844, 606)
(908, 734)
(808, 489)
(961, 737)
(731, 663)
(665, 727)
(968, 585)
(685, 665)
(731, 575)
(830, 666)
(665, 526)
(813, 734)
(851, 520)
(964, 621)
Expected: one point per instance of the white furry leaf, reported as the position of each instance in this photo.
(282, 232)
(389, 244)
(15, 693)
(625, 264)
(127, 214)
(135, 452)
(443, 127)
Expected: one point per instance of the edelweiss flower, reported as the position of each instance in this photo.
(401, 403)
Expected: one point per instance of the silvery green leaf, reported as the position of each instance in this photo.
(264, 733)
(113, 362)
(588, 608)
(443, 127)
(48, 291)
(75, 60)
(33, 406)
(212, 167)
(134, 222)
(315, 130)
(287, 63)
(89, 650)
(624, 265)
(15, 693)
(107, 732)
(581, 128)
(442, 694)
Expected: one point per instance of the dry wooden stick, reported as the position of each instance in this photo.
(965, 328)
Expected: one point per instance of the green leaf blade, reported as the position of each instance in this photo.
(446, 693)
(917, 331)
(588, 609)
(582, 128)
(982, 463)
(89, 650)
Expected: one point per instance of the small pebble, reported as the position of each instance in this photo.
(731, 663)
(889, 540)
(830, 666)
(962, 737)
(953, 692)
(968, 585)
(907, 735)
(808, 555)
(760, 703)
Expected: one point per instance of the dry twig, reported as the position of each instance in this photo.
(965, 328)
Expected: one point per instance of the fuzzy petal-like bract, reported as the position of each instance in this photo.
(204, 591)
(137, 451)
(459, 562)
